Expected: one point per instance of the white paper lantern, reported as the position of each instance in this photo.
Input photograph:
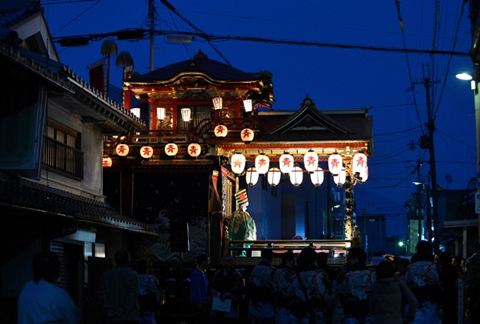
(237, 163)
(286, 163)
(194, 149)
(247, 104)
(247, 135)
(220, 131)
(340, 178)
(186, 114)
(273, 176)
(161, 113)
(296, 176)
(251, 176)
(359, 163)
(310, 161)
(217, 103)
(317, 177)
(363, 175)
(171, 149)
(335, 163)
(262, 163)
(146, 152)
(107, 162)
(122, 149)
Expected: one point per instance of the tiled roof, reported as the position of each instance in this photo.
(34, 196)
(199, 65)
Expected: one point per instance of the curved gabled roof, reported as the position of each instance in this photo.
(213, 71)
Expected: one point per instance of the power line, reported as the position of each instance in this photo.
(141, 34)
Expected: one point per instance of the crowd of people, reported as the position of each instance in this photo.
(303, 289)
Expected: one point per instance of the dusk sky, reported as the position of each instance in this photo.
(342, 75)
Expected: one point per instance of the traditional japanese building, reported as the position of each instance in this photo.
(208, 125)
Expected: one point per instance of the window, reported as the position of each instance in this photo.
(61, 151)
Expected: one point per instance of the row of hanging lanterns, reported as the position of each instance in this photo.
(171, 149)
(288, 166)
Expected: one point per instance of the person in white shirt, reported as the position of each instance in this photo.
(41, 301)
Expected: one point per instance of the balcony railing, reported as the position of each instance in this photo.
(63, 159)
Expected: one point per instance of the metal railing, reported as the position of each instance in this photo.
(63, 159)
(334, 247)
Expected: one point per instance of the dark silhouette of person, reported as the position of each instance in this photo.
(41, 301)
(118, 291)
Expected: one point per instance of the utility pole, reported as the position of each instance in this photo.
(432, 215)
(151, 15)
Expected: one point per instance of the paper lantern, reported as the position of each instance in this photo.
(107, 162)
(359, 163)
(122, 149)
(237, 163)
(317, 177)
(217, 103)
(262, 163)
(186, 114)
(273, 176)
(310, 161)
(220, 131)
(363, 175)
(251, 176)
(194, 149)
(171, 149)
(335, 163)
(340, 178)
(247, 135)
(296, 176)
(286, 163)
(146, 152)
(161, 113)
(247, 105)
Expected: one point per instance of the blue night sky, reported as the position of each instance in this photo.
(334, 77)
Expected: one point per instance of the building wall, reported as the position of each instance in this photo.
(91, 185)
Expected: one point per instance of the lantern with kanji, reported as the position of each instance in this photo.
(107, 162)
(122, 149)
(310, 161)
(194, 149)
(220, 131)
(171, 149)
(247, 135)
(146, 152)
(262, 163)
(237, 163)
(359, 163)
(335, 163)
(286, 163)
